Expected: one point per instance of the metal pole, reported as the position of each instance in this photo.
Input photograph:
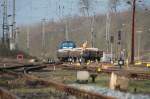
(133, 30)
(111, 51)
(139, 47)
(92, 31)
(3, 19)
(5, 25)
(107, 31)
(66, 30)
(139, 43)
(28, 39)
(13, 21)
(43, 37)
(13, 30)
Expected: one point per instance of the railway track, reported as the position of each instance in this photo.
(140, 76)
(130, 74)
(68, 90)
(4, 94)
(26, 68)
(23, 69)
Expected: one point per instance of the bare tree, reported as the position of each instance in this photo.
(113, 4)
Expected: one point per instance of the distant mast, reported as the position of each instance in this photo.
(66, 31)
(5, 39)
(108, 20)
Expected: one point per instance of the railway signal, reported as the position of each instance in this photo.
(119, 35)
(112, 39)
(120, 62)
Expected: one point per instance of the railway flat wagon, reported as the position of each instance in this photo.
(68, 52)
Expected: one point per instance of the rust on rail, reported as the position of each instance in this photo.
(73, 91)
(4, 94)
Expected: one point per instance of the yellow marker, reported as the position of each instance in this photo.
(148, 64)
(138, 63)
(127, 63)
(99, 69)
(88, 62)
(78, 64)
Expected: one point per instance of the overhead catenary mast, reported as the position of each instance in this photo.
(66, 22)
(13, 35)
(108, 20)
(43, 37)
(28, 39)
(14, 21)
(92, 31)
(5, 23)
(66, 31)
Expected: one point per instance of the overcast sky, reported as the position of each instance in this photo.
(32, 11)
(35, 10)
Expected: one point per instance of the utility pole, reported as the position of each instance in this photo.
(133, 31)
(43, 37)
(14, 22)
(5, 23)
(16, 36)
(139, 43)
(92, 31)
(13, 31)
(108, 19)
(28, 39)
(111, 46)
(66, 31)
